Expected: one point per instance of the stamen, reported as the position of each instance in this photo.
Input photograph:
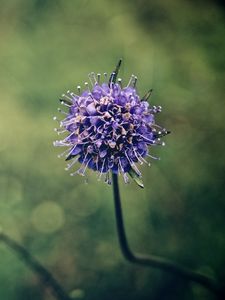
(65, 102)
(153, 157)
(134, 81)
(98, 77)
(157, 126)
(96, 163)
(71, 163)
(59, 130)
(67, 97)
(120, 82)
(144, 137)
(111, 78)
(162, 133)
(61, 144)
(66, 138)
(62, 111)
(99, 178)
(79, 89)
(74, 96)
(87, 86)
(159, 142)
(136, 155)
(145, 161)
(92, 78)
(63, 153)
(80, 170)
(131, 80)
(133, 164)
(65, 122)
(55, 119)
(107, 179)
(125, 177)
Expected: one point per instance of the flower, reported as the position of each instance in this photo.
(109, 127)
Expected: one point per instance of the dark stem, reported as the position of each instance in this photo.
(155, 261)
(45, 276)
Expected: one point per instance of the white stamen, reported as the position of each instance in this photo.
(72, 163)
(107, 178)
(63, 153)
(64, 103)
(92, 78)
(98, 77)
(125, 177)
(61, 144)
(79, 89)
(144, 160)
(133, 164)
(153, 142)
(67, 137)
(80, 170)
(119, 81)
(62, 111)
(131, 80)
(136, 154)
(134, 81)
(67, 122)
(100, 175)
(153, 157)
(66, 96)
(56, 119)
(87, 86)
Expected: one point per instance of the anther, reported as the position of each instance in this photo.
(134, 81)
(98, 77)
(92, 78)
(119, 81)
(87, 86)
(78, 89)
(131, 80)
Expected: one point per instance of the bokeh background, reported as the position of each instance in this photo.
(175, 47)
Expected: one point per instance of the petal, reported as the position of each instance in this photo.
(91, 109)
(103, 153)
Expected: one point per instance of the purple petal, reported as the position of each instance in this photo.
(91, 109)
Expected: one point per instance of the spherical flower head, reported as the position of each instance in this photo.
(109, 128)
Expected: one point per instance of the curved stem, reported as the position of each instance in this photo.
(44, 275)
(155, 261)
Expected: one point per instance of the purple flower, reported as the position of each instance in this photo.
(109, 128)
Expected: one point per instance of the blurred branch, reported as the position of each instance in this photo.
(45, 276)
(156, 261)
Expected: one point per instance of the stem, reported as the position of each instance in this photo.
(45, 276)
(156, 261)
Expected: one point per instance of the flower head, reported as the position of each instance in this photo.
(109, 127)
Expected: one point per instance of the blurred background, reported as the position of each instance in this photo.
(175, 47)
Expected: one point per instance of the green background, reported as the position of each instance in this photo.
(176, 48)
